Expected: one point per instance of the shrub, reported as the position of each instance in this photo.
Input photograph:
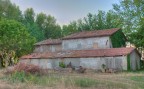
(22, 77)
(62, 65)
(8, 58)
(81, 69)
(103, 66)
(27, 68)
(17, 77)
(23, 67)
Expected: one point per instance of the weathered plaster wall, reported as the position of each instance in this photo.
(35, 61)
(90, 63)
(110, 62)
(75, 61)
(124, 62)
(134, 60)
(86, 43)
(42, 63)
(27, 61)
(48, 48)
(119, 62)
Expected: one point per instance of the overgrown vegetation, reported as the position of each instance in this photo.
(128, 62)
(85, 82)
(139, 80)
(14, 41)
(50, 80)
(62, 64)
(8, 58)
(23, 67)
(128, 80)
(27, 74)
(118, 39)
(32, 79)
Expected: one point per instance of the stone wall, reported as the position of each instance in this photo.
(109, 62)
(135, 60)
(119, 62)
(47, 48)
(87, 43)
(90, 63)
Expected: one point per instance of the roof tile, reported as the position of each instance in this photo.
(95, 33)
(49, 42)
(110, 52)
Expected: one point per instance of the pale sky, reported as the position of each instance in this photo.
(66, 10)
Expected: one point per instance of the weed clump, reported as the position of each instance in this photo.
(23, 67)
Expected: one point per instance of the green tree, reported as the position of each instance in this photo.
(99, 21)
(48, 25)
(10, 11)
(30, 23)
(132, 13)
(29, 15)
(69, 29)
(35, 31)
(41, 20)
(88, 22)
(137, 37)
(102, 20)
(113, 20)
(14, 36)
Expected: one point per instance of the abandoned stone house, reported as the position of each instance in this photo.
(90, 49)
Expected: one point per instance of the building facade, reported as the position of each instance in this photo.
(90, 49)
(50, 45)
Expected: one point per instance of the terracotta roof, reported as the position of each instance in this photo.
(49, 42)
(38, 55)
(95, 33)
(111, 52)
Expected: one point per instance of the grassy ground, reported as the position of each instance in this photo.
(124, 80)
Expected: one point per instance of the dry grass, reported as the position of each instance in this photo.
(125, 80)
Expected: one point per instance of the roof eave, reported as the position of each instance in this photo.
(84, 37)
(47, 44)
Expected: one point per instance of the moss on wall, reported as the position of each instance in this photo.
(128, 62)
(141, 64)
(136, 65)
(118, 39)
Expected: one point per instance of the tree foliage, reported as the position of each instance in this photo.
(14, 36)
(10, 11)
(19, 36)
(30, 24)
(69, 29)
(118, 39)
(102, 20)
(48, 25)
(29, 15)
(41, 20)
(137, 37)
(132, 13)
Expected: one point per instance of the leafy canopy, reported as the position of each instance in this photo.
(132, 13)
(14, 36)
